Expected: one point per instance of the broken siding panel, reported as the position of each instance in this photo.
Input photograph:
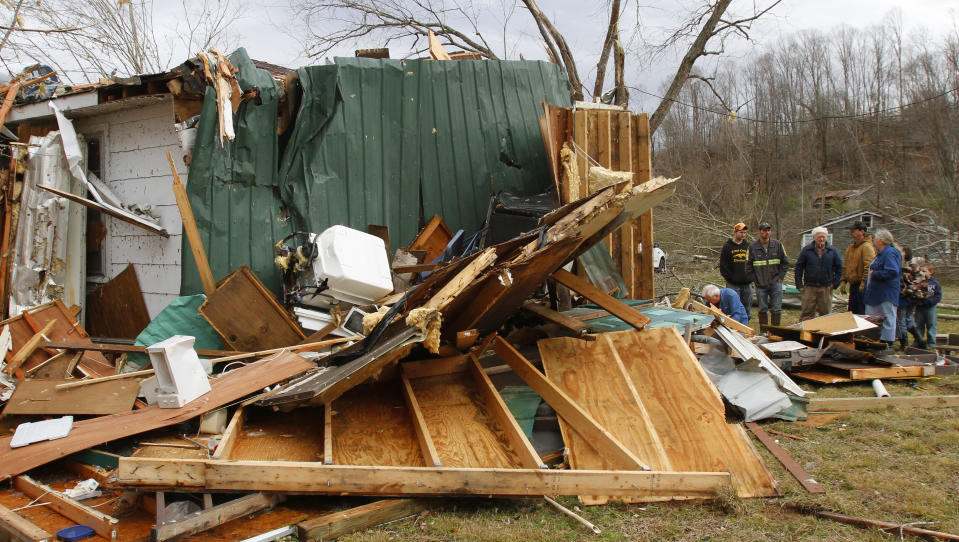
(133, 146)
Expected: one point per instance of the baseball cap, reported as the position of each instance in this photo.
(765, 226)
(740, 226)
(859, 225)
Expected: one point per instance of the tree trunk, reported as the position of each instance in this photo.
(576, 90)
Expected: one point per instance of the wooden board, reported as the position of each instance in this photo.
(616, 307)
(822, 377)
(87, 433)
(433, 238)
(247, 316)
(862, 403)
(859, 371)
(464, 433)
(116, 309)
(372, 426)
(593, 375)
(25, 325)
(34, 396)
(217, 515)
(336, 524)
(19, 528)
(104, 525)
(803, 477)
(317, 478)
(265, 435)
(687, 410)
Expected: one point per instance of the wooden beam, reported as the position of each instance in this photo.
(121, 376)
(435, 366)
(216, 515)
(123, 348)
(328, 434)
(437, 51)
(317, 478)
(292, 348)
(337, 524)
(419, 424)
(29, 347)
(462, 279)
(643, 286)
(602, 440)
(103, 524)
(125, 216)
(616, 307)
(723, 318)
(803, 477)
(521, 445)
(191, 230)
(888, 526)
(570, 324)
(863, 403)
(230, 436)
(19, 528)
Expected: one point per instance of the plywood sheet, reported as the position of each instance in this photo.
(687, 410)
(593, 375)
(372, 426)
(280, 436)
(227, 388)
(247, 316)
(117, 309)
(34, 396)
(464, 433)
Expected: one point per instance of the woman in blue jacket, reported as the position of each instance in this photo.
(882, 287)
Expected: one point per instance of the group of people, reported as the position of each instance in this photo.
(878, 278)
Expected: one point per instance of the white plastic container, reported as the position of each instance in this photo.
(355, 264)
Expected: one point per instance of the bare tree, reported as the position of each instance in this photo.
(91, 39)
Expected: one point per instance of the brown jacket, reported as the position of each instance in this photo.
(859, 255)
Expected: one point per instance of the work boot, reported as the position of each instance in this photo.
(903, 343)
(763, 319)
(777, 318)
(917, 340)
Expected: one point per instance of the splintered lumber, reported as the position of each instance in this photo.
(803, 477)
(603, 441)
(115, 212)
(227, 388)
(101, 523)
(217, 515)
(123, 348)
(337, 524)
(190, 229)
(437, 51)
(570, 324)
(29, 347)
(317, 478)
(723, 317)
(19, 528)
(888, 527)
(121, 376)
(592, 374)
(462, 279)
(863, 403)
(615, 307)
(247, 316)
(44, 397)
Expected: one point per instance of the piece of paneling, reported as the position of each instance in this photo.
(116, 309)
(372, 426)
(289, 436)
(42, 397)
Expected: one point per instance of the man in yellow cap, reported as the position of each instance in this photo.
(732, 265)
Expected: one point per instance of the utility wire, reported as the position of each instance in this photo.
(798, 121)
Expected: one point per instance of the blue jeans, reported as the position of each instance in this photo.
(888, 310)
(745, 292)
(770, 298)
(904, 321)
(927, 322)
(856, 306)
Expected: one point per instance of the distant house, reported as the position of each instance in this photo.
(834, 198)
(918, 231)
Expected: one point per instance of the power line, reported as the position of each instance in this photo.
(798, 121)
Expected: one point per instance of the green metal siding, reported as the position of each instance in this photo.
(371, 141)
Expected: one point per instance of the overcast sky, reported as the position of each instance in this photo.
(265, 30)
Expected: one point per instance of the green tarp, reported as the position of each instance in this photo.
(181, 317)
(374, 142)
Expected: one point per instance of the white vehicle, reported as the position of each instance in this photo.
(659, 259)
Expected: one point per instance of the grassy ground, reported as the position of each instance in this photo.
(899, 465)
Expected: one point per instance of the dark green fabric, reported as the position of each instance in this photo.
(232, 187)
(371, 141)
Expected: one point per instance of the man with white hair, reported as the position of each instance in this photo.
(727, 300)
(882, 285)
(818, 273)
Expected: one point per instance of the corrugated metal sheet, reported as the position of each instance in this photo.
(404, 131)
(373, 143)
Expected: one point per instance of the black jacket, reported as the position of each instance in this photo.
(732, 262)
(766, 266)
(812, 270)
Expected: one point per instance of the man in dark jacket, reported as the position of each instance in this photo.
(767, 267)
(882, 285)
(732, 265)
(927, 319)
(818, 272)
